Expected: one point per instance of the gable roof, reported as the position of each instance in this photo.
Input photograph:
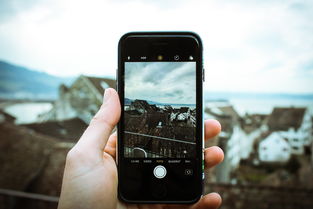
(276, 135)
(283, 118)
(229, 110)
(226, 120)
(251, 122)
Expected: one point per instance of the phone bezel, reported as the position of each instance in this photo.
(199, 128)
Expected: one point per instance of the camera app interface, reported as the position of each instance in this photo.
(160, 110)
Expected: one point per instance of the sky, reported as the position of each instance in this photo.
(162, 82)
(249, 45)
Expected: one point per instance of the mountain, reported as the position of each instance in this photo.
(127, 101)
(17, 82)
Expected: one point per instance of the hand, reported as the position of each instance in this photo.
(90, 175)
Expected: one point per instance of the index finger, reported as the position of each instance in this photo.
(211, 128)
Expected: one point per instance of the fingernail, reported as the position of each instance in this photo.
(107, 94)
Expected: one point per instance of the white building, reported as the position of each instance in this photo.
(229, 139)
(248, 140)
(231, 133)
(274, 148)
(253, 125)
(235, 147)
(295, 125)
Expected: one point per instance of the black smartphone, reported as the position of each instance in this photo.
(160, 133)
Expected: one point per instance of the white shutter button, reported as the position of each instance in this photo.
(159, 171)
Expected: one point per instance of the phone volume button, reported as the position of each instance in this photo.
(203, 74)
(116, 78)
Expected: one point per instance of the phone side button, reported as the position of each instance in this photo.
(203, 74)
(116, 78)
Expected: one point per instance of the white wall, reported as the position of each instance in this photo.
(274, 148)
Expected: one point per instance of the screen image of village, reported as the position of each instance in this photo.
(160, 111)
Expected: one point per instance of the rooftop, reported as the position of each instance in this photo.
(283, 118)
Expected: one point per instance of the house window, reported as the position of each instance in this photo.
(104, 85)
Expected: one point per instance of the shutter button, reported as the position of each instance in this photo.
(159, 171)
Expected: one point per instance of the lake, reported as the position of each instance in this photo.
(27, 112)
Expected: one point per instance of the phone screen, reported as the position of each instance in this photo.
(160, 110)
(160, 131)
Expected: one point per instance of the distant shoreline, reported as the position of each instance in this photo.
(251, 95)
(128, 101)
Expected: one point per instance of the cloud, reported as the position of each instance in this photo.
(9, 9)
(176, 86)
(245, 42)
(155, 73)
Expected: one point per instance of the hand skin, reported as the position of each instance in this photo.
(90, 175)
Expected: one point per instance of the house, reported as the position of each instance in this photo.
(229, 110)
(253, 126)
(142, 106)
(82, 99)
(274, 148)
(295, 125)
(251, 122)
(183, 117)
(159, 131)
(282, 118)
(66, 130)
(157, 119)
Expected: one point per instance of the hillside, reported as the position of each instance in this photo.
(17, 82)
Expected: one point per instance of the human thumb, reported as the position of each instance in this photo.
(102, 124)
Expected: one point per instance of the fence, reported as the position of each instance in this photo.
(158, 147)
(234, 197)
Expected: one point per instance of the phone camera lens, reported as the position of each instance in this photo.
(176, 57)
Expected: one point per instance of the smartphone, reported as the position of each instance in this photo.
(160, 133)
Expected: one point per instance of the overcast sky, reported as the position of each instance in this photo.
(249, 45)
(164, 82)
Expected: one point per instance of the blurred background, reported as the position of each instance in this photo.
(58, 56)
